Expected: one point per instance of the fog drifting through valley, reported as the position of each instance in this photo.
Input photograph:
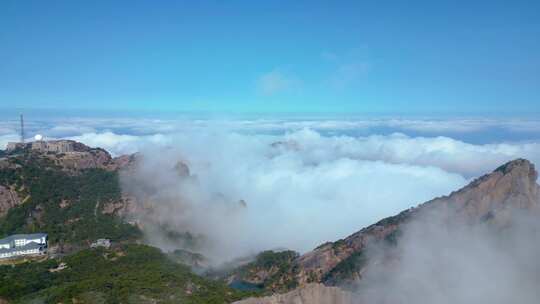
(296, 195)
(457, 263)
(252, 192)
(264, 184)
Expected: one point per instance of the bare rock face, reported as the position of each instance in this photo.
(126, 162)
(123, 207)
(8, 199)
(309, 294)
(510, 187)
(70, 155)
(95, 158)
(182, 169)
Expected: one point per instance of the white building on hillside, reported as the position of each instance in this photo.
(101, 243)
(23, 244)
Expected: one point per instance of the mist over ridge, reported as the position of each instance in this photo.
(289, 174)
(291, 179)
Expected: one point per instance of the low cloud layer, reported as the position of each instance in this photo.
(450, 155)
(302, 188)
(261, 184)
(456, 263)
(296, 196)
(476, 131)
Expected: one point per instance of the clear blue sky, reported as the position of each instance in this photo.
(272, 56)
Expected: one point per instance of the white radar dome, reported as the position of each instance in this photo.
(38, 137)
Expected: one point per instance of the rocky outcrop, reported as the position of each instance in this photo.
(74, 161)
(126, 162)
(266, 271)
(73, 156)
(510, 187)
(489, 198)
(182, 169)
(309, 294)
(123, 207)
(8, 199)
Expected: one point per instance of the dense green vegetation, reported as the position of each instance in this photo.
(347, 269)
(393, 237)
(193, 259)
(129, 274)
(45, 187)
(280, 267)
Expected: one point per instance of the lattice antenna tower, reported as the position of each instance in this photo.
(22, 129)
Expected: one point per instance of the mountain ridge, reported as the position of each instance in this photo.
(512, 183)
(491, 197)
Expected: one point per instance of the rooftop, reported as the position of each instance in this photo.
(22, 236)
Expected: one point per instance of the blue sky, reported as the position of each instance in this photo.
(471, 57)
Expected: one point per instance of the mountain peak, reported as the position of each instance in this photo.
(493, 196)
(510, 185)
(519, 167)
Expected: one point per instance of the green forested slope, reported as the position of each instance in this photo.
(128, 274)
(44, 187)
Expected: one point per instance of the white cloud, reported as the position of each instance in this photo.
(442, 152)
(347, 68)
(295, 199)
(312, 189)
(275, 82)
(348, 73)
(444, 262)
(5, 139)
(453, 127)
(120, 144)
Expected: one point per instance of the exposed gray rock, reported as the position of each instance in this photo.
(309, 294)
(8, 199)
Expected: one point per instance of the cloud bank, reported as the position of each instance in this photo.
(302, 188)
(294, 183)
(296, 195)
(457, 263)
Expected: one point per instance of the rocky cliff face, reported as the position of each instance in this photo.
(74, 161)
(491, 197)
(309, 294)
(8, 199)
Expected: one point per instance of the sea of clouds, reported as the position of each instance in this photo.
(441, 262)
(303, 181)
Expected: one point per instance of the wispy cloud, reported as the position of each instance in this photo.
(347, 74)
(348, 68)
(276, 81)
